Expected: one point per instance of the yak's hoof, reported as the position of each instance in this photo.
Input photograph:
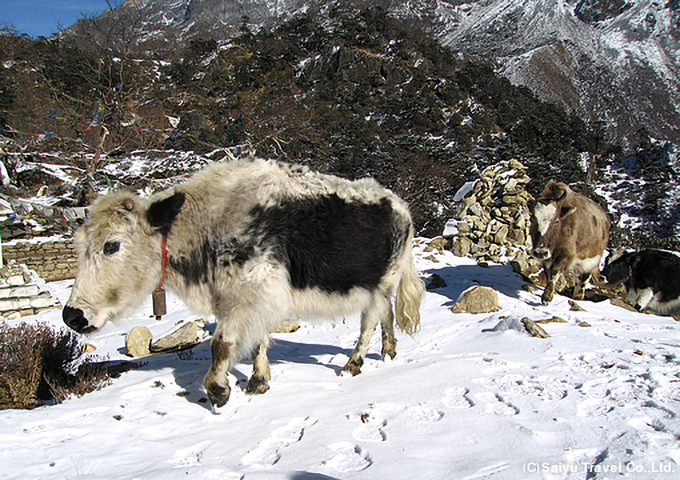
(218, 395)
(353, 367)
(389, 353)
(257, 385)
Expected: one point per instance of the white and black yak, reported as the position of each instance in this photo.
(252, 242)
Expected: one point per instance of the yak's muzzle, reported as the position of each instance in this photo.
(75, 318)
(540, 253)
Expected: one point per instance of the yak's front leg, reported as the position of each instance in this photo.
(549, 291)
(375, 313)
(259, 381)
(216, 381)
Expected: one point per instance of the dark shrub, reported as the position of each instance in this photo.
(38, 364)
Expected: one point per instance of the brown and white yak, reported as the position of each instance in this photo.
(569, 233)
(252, 242)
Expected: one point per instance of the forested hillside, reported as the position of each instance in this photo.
(352, 92)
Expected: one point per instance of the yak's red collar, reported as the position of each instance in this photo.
(158, 295)
(166, 262)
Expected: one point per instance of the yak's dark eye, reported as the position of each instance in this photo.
(111, 247)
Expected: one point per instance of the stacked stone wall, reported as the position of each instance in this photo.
(19, 293)
(52, 260)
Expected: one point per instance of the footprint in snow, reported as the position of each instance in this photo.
(374, 421)
(268, 452)
(190, 456)
(497, 405)
(423, 413)
(457, 397)
(371, 429)
(348, 457)
(369, 433)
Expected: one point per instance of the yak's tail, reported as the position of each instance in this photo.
(410, 293)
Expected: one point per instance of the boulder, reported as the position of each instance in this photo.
(438, 243)
(478, 299)
(138, 342)
(461, 246)
(552, 320)
(183, 338)
(575, 307)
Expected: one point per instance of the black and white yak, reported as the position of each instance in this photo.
(651, 278)
(252, 242)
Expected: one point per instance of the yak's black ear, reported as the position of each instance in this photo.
(566, 211)
(635, 258)
(162, 214)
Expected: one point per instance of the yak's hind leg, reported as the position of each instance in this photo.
(259, 381)
(376, 312)
(580, 281)
(389, 341)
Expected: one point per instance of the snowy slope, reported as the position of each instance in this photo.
(470, 396)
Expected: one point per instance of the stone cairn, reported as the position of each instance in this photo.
(492, 226)
(493, 219)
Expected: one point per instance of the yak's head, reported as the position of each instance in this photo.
(547, 214)
(619, 267)
(119, 257)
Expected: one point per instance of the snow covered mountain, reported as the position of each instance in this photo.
(620, 68)
(612, 61)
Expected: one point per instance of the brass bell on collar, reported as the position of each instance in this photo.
(159, 305)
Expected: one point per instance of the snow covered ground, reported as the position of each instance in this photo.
(469, 397)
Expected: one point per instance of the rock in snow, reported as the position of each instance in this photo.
(477, 300)
(138, 342)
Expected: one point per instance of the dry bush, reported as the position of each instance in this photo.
(38, 364)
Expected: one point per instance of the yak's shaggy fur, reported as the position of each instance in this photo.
(569, 233)
(253, 242)
(651, 278)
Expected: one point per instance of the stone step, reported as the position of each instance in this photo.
(43, 300)
(19, 291)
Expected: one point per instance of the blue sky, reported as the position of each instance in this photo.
(45, 17)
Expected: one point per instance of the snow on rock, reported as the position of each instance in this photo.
(464, 398)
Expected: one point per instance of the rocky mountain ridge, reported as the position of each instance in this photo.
(612, 61)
